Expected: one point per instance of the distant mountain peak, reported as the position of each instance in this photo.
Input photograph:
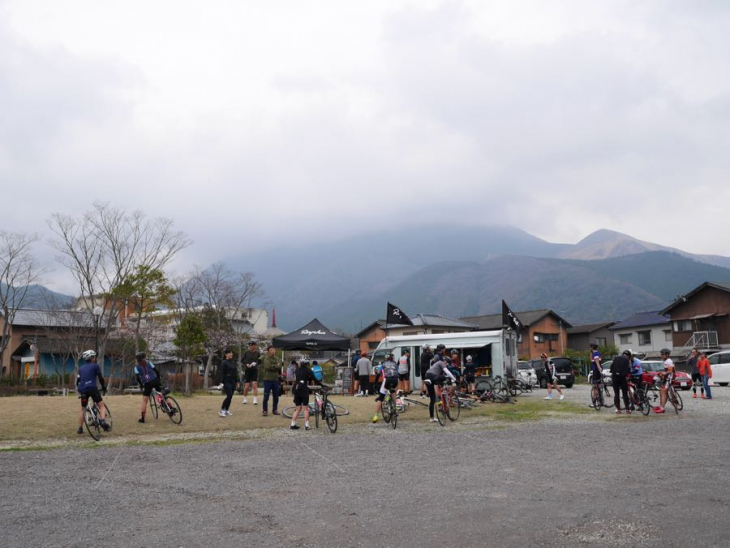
(602, 236)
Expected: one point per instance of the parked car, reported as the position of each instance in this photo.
(527, 373)
(720, 363)
(563, 370)
(652, 367)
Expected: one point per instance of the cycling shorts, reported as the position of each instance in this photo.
(696, 377)
(147, 388)
(596, 378)
(403, 376)
(390, 384)
(301, 395)
(251, 374)
(93, 393)
(470, 378)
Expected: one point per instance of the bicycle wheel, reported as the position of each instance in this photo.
(595, 399)
(643, 402)
(288, 411)
(385, 411)
(173, 410)
(454, 409)
(675, 399)
(330, 416)
(484, 386)
(393, 414)
(92, 426)
(341, 410)
(607, 397)
(512, 389)
(153, 405)
(440, 415)
(108, 417)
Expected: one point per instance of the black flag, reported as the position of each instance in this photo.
(510, 319)
(397, 316)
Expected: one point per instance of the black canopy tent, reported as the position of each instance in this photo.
(313, 336)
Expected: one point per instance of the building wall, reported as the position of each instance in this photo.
(369, 340)
(657, 333)
(372, 338)
(580, 341)
(708, 301)
(549, 325)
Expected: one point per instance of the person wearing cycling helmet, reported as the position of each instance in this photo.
(436, 376)
(89, 372)
(390, 382)
(425, 363)
(470, 373)
(551, 377)
(620, 369)
(455, 359)
(302, 377)
(148, 378)
(596, 369)
(666, 376)
(637, 371)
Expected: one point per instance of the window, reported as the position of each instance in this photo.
(625, 339)
(601, 341)
(668, 335)
(542, 337)
(373, 345)
(407, 333)
(683, 325)
(644, 338)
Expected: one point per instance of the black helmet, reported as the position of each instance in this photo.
(140, 355)
(665, 351)
(440, 347)
(626, 353)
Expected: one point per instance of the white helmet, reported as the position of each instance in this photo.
(88, 355)
(468, 358)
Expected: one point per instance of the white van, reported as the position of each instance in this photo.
(720, 363)
(494, 352)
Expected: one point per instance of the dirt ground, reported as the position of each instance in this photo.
(568, 480)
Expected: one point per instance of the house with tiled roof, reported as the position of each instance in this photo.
(580, 336)
(423, 324)
(644, 333)
(545, 331)
(700, 318)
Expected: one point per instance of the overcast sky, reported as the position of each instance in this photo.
(254, 122)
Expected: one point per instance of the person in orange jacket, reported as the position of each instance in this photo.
(703, 365)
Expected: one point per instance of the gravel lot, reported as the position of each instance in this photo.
(595, 480)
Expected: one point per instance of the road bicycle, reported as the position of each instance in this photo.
(92, 419)
(162, 401)
(446, 407)
(601, 396)
(637, 396)
(324, 407)
(653, 395)
(389, 410)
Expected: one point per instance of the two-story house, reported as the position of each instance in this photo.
(644, 333)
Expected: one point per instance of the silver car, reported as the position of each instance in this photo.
(527, 373)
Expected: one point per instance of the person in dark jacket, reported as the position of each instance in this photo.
(426, 357)
(229, 379)
(620, 369)
(148, 378)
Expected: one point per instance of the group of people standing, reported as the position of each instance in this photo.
(255, 368)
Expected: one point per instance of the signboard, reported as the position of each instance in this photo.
(346, 379)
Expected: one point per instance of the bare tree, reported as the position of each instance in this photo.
(224, 295)
(18, 271)
(104, 247)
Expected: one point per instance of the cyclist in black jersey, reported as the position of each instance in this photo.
(302, 377)
(390, 383)
(436, 376)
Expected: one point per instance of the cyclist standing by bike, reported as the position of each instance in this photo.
(302, 377)
(596, 370)
(390, 383)
(637, 372)
(89, 372)
(620, 369)
(148, 378)
(695, 372)
(404, 371)
(435, 376)
(667, 376)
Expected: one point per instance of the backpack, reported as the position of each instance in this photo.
(317, 372)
